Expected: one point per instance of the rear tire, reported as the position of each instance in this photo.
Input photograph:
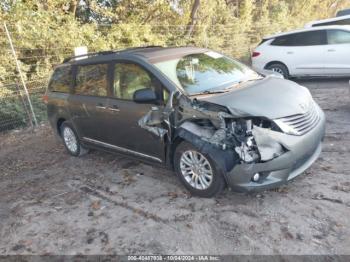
(71, 140)
(197, 171)
(279, 68)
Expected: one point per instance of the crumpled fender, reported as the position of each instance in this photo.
(225, 159)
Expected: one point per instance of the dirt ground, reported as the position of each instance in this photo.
(52, 203)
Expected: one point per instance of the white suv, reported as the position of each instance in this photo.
(339, 20)
(316, 51)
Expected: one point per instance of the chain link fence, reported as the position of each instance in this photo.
(18, 107)
(15, 110)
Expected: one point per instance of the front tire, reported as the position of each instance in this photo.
(197, 171)
(71, 140)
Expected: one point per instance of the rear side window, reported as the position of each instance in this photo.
(61, 79)
(92, 80)
(301, 39)
(338, 37)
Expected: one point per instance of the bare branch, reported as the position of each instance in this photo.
(194, 11)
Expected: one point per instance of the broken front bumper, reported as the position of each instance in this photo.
(301, 152)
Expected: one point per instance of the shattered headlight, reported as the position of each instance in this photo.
(245, 144)
(245, 125)
(255, 142)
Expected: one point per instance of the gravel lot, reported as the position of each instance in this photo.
(52, 203)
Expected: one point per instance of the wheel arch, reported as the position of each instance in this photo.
(171, 151)
(275, 62)
(225, 160)
(59, 123)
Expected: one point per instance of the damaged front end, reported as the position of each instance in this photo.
(228, 139)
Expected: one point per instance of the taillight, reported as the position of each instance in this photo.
(45, 98)
(255, 54)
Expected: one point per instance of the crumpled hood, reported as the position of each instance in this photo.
(270, 97)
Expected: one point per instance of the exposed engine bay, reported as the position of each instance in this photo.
(213, 128)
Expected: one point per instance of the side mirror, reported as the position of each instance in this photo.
(145, 96)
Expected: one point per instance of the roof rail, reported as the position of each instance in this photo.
(88, 55)
(107, 52)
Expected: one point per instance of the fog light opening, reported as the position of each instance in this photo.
(256, 177)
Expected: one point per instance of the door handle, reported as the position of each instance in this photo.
(290, 52)
(100, 106)
(331, 50)
(114, 108)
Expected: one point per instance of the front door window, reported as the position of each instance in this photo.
(129, 78)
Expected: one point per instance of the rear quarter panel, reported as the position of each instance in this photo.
(57, 108)
(270, 53)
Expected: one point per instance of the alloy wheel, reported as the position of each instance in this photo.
(70, 139)
(277, 70)
(196, 169)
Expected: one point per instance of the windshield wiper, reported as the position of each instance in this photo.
(207, 92)
(235, 85)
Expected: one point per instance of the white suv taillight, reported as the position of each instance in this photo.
(45, 98)
(255, 54)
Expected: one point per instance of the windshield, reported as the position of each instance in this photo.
(206, 72)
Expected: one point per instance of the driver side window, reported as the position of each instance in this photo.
(129, 78)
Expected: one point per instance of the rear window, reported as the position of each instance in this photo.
(61, 79)
(263, 41)
(286, 40)
(301, 39)
(92, 80)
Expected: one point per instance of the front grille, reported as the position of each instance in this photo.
(303, 123)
